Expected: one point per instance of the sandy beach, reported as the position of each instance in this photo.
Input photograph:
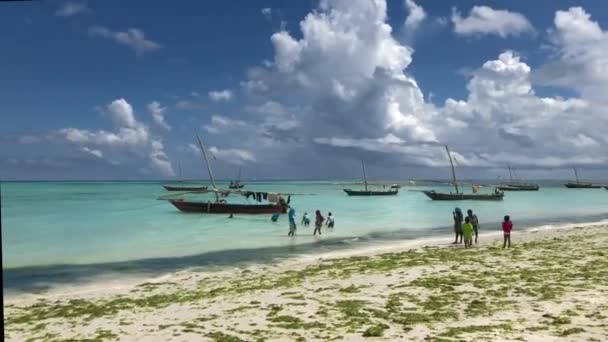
(550, 286)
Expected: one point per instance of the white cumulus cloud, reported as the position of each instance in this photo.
(415, 17)
(220, 95)
(486, 20)
(232, 155)
(158, 114)
(133, 38)
(71, 8)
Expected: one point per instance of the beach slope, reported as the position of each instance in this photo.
(552, 285)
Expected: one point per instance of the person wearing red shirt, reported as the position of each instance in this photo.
(507, 227)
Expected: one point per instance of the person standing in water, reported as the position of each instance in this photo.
(305, 220)
(467, 232)
(507, 227)
(458, 218)
(318, 222)
(292, 222)
(475, 222)
(330, 220)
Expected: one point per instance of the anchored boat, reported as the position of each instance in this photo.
(516, 185)
(218, 204)
(366, 192)
(459, 196)
(581, 184)
(180, 186)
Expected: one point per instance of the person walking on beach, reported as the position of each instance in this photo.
(458, 218)
(507, 227)
(474, 221)
(305, 220)
(292, 222)
(330, 220)
(467, 232)
(318, 222)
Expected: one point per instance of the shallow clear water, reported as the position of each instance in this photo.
(84, 223)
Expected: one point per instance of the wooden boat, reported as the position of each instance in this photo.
(439, 196)
(517, 186)
(184, 188)
(371, 192)
(237, 183)
(396, 186)
(227, 208)
(350, 192)
(581, 184)
(459, 196)
(180, 186)
(220, 205)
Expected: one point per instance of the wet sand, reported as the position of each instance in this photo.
(551, 285)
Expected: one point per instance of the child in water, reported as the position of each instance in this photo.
(305, 220)
(330, 220)
(318, 222)
(467, 232)
(507, 227)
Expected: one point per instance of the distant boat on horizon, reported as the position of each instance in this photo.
(180, 181)
(236, 184)
(459, 196)
(366, 192)
(581, 184)
(517, 186)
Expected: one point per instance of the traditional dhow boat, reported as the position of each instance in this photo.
(581, 184)
(237, 183)
(459, 196)
(181, 185)
(516, 185)
(184, 188)
(219, 204)
(366, 192)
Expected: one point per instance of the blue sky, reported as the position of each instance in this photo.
(62, 65)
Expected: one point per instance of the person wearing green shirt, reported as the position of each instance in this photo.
(467, 232)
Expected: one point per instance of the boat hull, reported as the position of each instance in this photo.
(240, 186)
(184, 188)
(582, 186)
(518, 187)
(391, 192)
(227, 208)
(439, 196)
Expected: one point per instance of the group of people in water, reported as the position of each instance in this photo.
(464, 231)
(319, 221)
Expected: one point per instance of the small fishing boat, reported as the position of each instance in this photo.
(581, 184)
(276, 201)
(237, 183)
(396, 186)
(514, 185)
(181, 185)
(366, 192)
(184, 188)
(459, 196)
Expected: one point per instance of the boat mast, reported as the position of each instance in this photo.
(576, 175)
(452, 165)
(238, 179)
(364, 176)
(510, 175)
(179, 168)
(200, 144)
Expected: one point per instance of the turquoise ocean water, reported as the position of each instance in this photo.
(61, 232)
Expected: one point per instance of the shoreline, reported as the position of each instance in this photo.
(121, 283)
(401, 291)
